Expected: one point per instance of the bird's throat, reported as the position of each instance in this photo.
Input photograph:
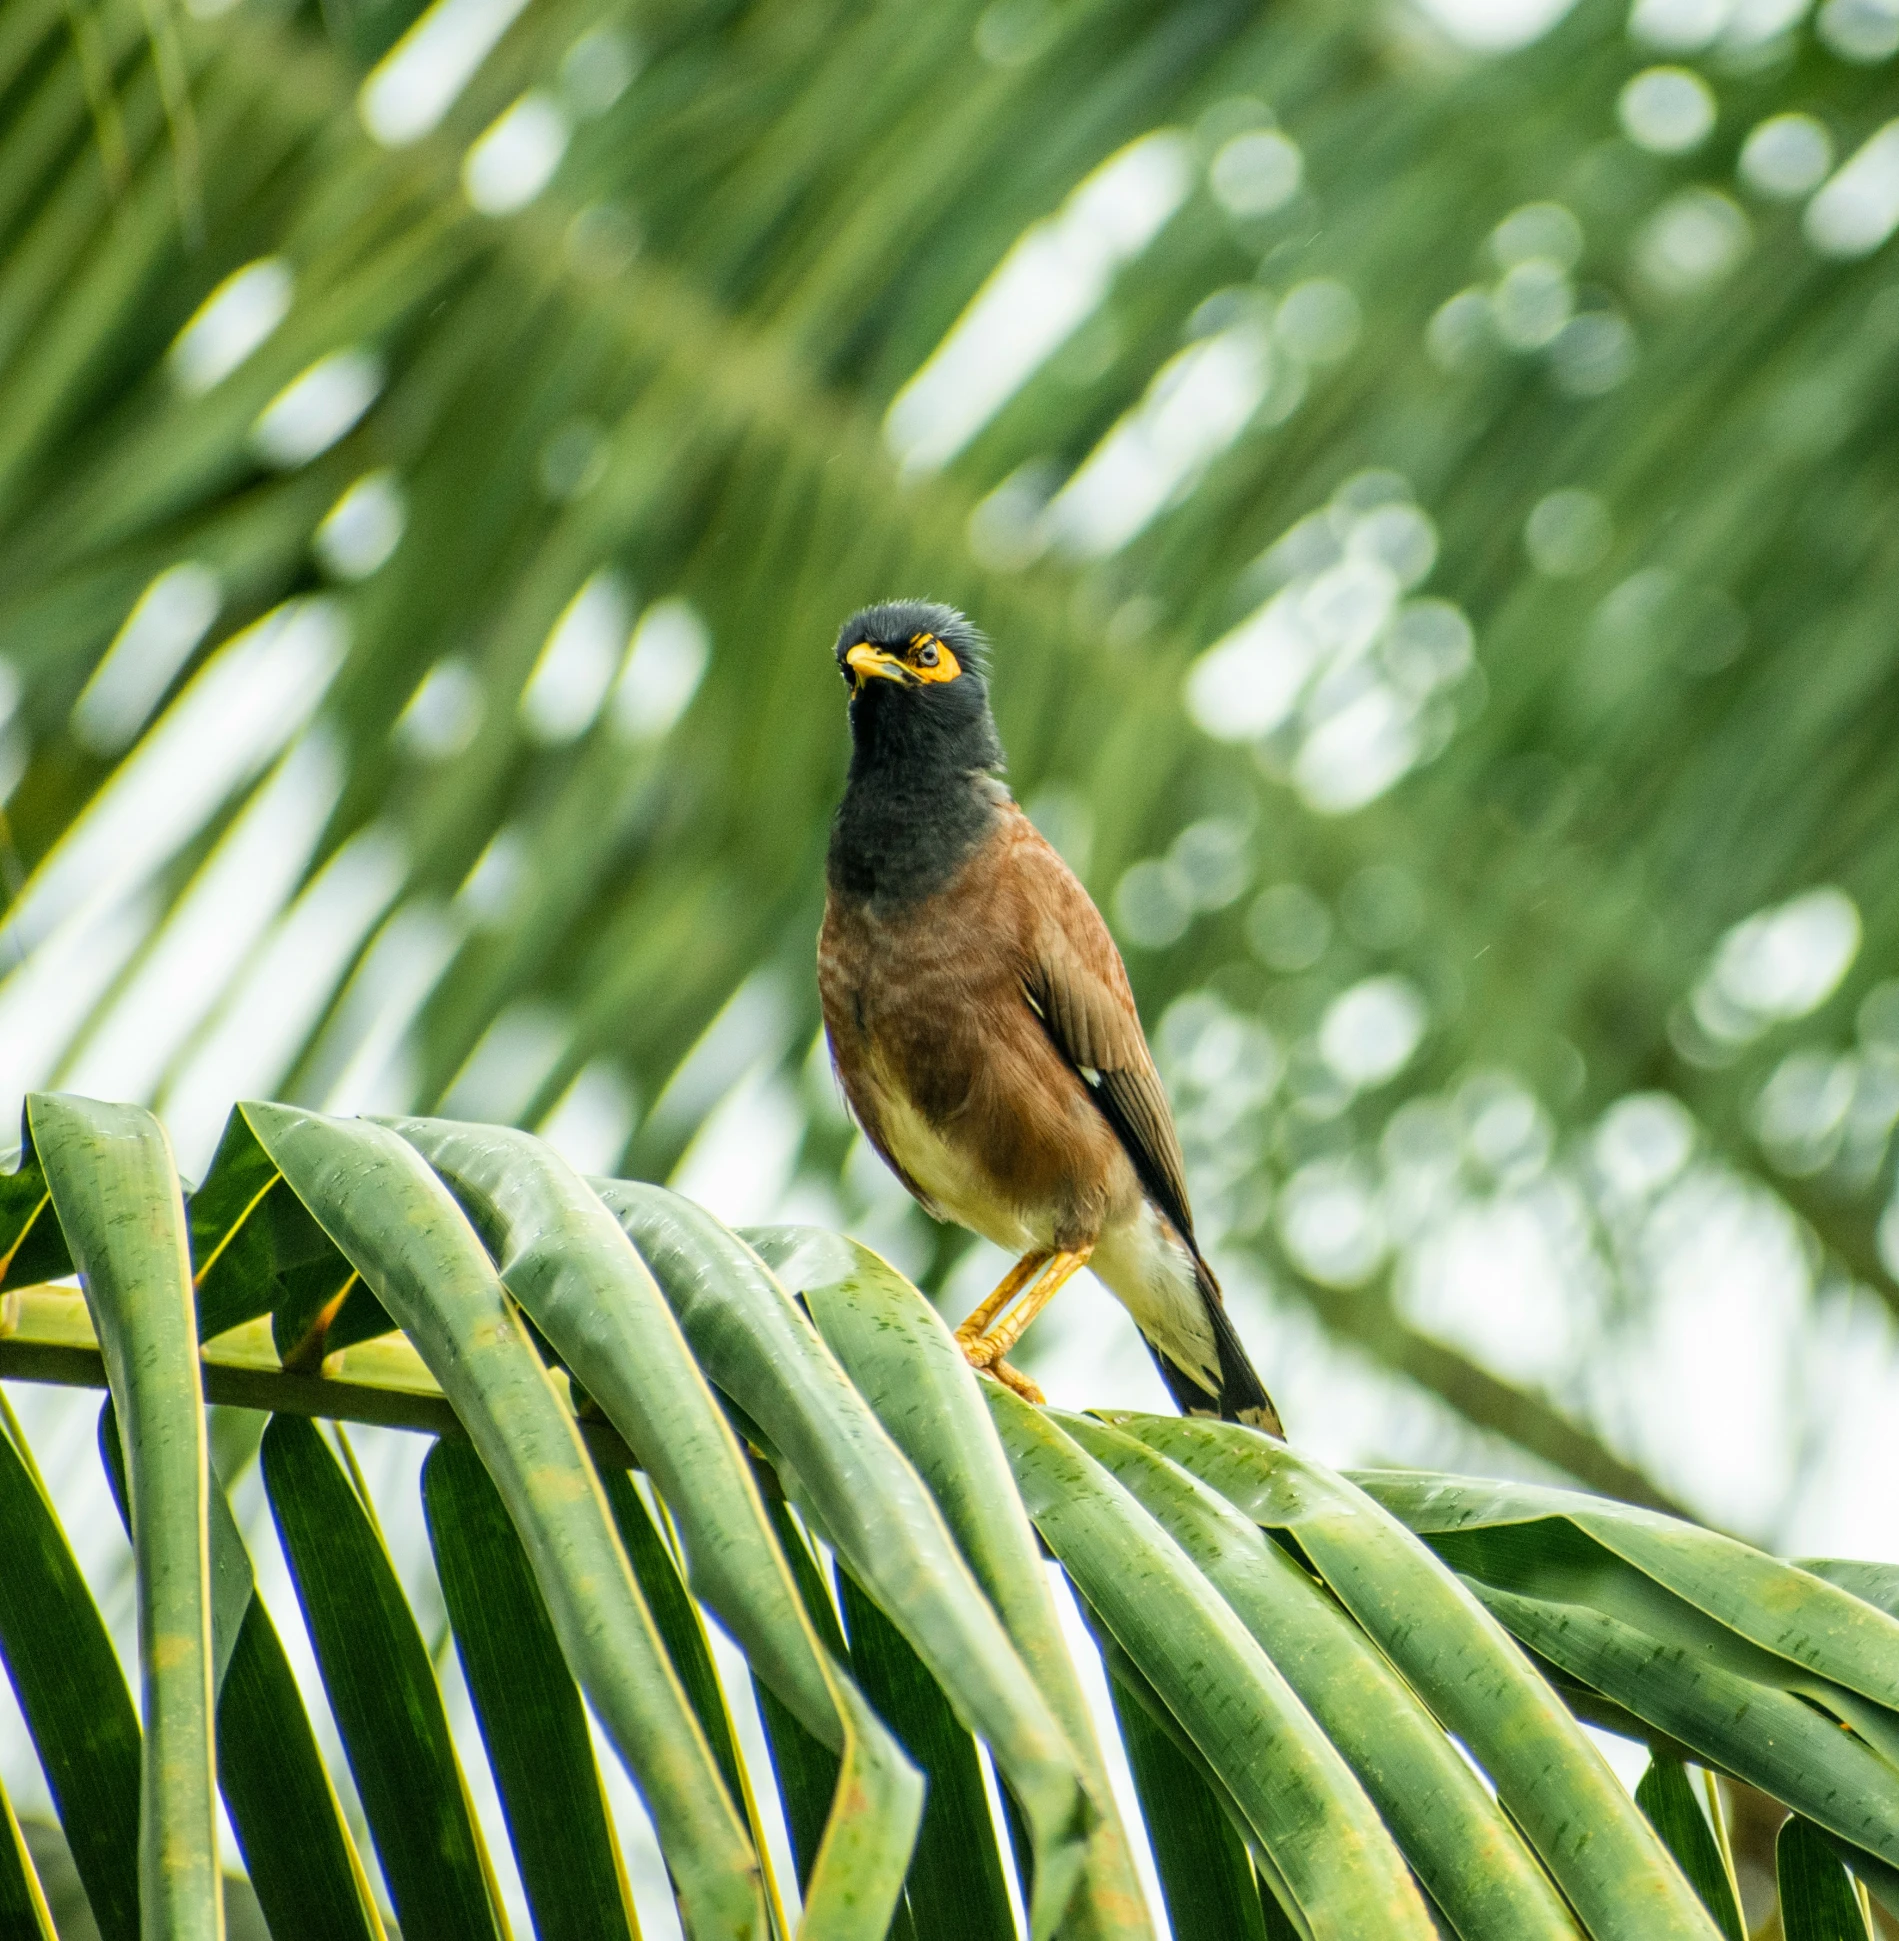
(920, 797)
(902, 833)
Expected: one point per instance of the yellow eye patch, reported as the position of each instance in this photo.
(930, 659)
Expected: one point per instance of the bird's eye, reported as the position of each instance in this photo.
(928, 656)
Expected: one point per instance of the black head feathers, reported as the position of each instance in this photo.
(919, 690)
(923, 749)
(895, 623)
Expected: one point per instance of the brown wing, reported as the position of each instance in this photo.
(1079, 986)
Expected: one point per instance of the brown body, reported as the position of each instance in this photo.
(983, 1028)
(988, 1043)
(929, 1007)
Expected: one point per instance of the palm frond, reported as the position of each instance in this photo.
(375, 806)
(786, 1437)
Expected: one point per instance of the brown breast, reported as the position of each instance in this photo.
(926, 1008)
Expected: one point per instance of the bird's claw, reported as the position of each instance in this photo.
(977, 1349)
(1013, 1378)
(985, 1356)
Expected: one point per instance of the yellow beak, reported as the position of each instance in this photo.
(867, 663)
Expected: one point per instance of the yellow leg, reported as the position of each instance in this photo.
(1011, 1284)
(1062, 1268)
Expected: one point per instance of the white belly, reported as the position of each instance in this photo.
(1139, 1261)
(957, 1186)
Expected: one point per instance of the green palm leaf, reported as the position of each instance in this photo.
(1287, 1660)
(897, 1351)
(421, 1255)
(381, 1689)
(532, 1723)
(757, 1347)
(667, 376)
(110, 1177)
(1614, 1874)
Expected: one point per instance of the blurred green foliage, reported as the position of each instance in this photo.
(1619, 340)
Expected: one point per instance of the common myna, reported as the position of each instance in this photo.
(982, 1025)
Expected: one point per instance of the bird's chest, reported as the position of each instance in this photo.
(914, 1012)
(910, 996)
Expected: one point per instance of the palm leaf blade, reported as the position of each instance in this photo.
(808, 1772)
(1822, 1627)
(532, 1722)
(109, 1171)
(757, 1347)
(1619, 1879)
(289, 1824)
(677, 1621)
(1464, 1850)
(381, 1688)
(896, 1349)
(23, 1909)
(1817, 1901)
(1762, 1734)
(304, 1867)
(560, 1252)
(1666, 1796)
(32, 1245)
(416, 1251)
(73, 1694)
(954, 1888)
(1205, 1875)
(1314, 1823)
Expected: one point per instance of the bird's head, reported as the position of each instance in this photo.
(916, 672)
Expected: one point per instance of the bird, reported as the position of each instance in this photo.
(983, 1029)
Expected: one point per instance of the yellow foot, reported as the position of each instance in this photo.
(970, 1335)
(978, 1350)
(988, 1335)
(1014, 1378)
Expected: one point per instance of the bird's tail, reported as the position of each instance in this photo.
(1242, 1396)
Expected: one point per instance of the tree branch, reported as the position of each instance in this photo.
(46, 1336)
